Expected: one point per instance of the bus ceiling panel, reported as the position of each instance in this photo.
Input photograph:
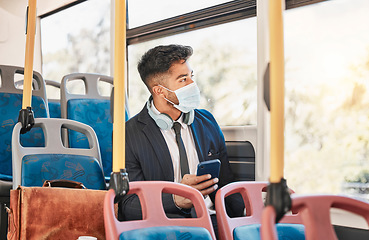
(14, 7)
(18, 7)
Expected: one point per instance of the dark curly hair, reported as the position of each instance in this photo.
(158, 60)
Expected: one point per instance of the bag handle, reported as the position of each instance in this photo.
(63, 183)
(12, 228)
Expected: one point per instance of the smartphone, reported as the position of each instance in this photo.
(211, 167)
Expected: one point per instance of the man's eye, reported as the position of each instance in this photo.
(183, 79)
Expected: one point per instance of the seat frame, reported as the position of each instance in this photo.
(315, 214)
(52, 128)
(91, 84)
(251, 193)
(8, 84)
(150, 195)
(91, 81)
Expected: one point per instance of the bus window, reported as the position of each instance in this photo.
(224, 64)
(327, 100)
(155, 11)
(76, 39)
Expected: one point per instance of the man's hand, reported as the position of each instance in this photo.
(202, 183)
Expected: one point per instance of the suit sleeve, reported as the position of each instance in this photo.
(234, 203)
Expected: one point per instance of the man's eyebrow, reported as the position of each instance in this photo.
(183, 75)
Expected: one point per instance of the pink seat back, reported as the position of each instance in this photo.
(315, 214)
(153, 215)
(251, 193)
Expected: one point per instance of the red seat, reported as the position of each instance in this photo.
(252, 196)
(150, 194)
(315, 214)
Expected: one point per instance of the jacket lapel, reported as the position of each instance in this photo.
(155, 137)
(196, 132)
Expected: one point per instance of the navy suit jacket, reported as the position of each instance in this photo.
(148, 159)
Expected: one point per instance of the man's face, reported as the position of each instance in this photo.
(180, 75)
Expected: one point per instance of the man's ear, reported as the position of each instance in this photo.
(157, 90)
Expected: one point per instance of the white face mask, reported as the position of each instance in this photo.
(188, 97)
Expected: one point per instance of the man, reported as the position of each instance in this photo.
(152, 152)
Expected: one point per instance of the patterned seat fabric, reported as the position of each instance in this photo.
(170, 232)
(40, 167)
(54, 109)
(285, 231)
(10, 105)
(95, 113)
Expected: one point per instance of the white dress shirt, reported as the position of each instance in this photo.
(189, 143)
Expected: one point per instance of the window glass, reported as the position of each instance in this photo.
(142, 12)
(76, 39)
(224, 65)
(327, 98)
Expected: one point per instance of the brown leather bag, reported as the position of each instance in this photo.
(63, 183)
(55, 213)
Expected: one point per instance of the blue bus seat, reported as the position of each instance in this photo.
(315, 215)
(169, 232)
(92, 109)
(285, 231)
(251, 192)
(54, 109)
(10, 105)
(33, 165)
(126, 112)
(54, 104)
(37, 168)
(155, 224)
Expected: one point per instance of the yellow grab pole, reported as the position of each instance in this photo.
(30, 47)
(276, 90)
(119, 124)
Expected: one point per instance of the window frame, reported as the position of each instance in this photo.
(203, 18)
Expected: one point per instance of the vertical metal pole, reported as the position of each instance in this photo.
(276, 90)
(30, 47)
(119, 86)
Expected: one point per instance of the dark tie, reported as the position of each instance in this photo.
(182, 151)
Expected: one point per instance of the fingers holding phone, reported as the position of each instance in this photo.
(208, 186)
(212, 168)
(199, 182)
(203, 183)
